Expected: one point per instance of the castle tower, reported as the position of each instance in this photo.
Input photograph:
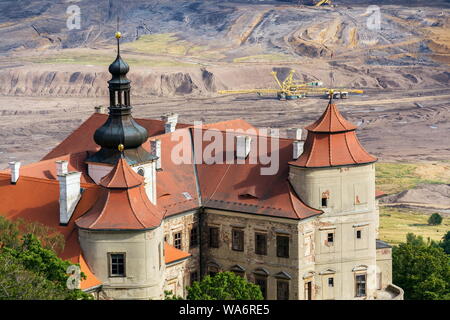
(121, 237)
(335, 174)
(121, 128)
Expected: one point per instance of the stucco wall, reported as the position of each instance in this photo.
(144, 277)
(384, 264)
(350, 207)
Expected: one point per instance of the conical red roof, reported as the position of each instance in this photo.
(123, 203)
(332, 141)
(121, 176)
(331, 121)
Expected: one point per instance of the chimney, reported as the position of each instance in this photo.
(170, 120)
(273, 132)
(62, 167)
(243, 146)
(294, 133)
(15, 171)
(155, 149)
(298, 149)
(100, 109)
(69, 195)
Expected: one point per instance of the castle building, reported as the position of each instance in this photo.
(144, 205)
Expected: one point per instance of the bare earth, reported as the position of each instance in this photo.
(182, 53)
(393, 129)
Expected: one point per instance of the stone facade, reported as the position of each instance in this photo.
(330, 256)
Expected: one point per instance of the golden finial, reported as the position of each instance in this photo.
(120, 147)
(118, 35)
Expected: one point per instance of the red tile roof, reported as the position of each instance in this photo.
(379, 193)
(46, 169)
(82, 139)
(242, 187)
(172, 254)
(122, 204)
(332, 141)
(331, 121)
(121, 177)
(41, 205)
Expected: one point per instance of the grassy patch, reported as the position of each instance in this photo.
(164, 44)
(105, 60)
(263, 58)
(396, 223)
(397, 177)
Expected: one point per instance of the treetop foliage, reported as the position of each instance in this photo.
(421, 269)
(30, 270)
(224, 286)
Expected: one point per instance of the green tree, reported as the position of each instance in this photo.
(168, 295)
(435, 219)
(44, 272)
(421, 269)
(44, 264)
(18, 283)
(224, 286)
(12, 231)
(445, 243)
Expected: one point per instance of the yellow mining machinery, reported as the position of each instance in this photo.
(289, 89)
(317, 3)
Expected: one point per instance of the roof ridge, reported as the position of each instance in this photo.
(47, 181)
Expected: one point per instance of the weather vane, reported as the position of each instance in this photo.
(118, 35)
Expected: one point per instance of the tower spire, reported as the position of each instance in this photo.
(120, 128)
(118, 36)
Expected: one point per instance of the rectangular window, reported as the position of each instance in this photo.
(194, 237)
(213, 237)
(193, 277)
(262, 283)
(358, 234)
(308, 290)
(324, 202)
(282, 290)
(331, 282)
(261, 244)
(360, 281)
(117, 264)
(238, 240)
(177, 240)
(330, 238)
(283, 246)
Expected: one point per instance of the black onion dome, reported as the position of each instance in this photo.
(120, 128)
(119, 69)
